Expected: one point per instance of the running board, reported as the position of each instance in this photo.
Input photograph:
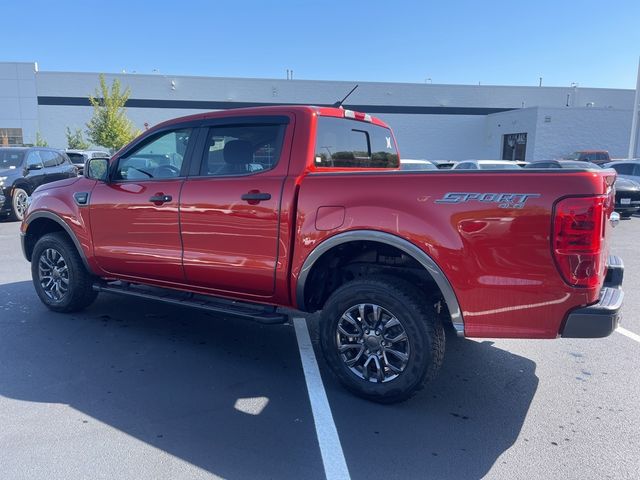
(264, 314)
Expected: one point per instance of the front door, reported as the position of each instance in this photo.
(230, 210)
(134, 217)
(35, 173)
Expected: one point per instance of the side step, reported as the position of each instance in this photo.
(264, 314)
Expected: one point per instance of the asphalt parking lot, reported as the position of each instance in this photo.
(137, 390)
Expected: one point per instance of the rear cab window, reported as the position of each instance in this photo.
(344, 143)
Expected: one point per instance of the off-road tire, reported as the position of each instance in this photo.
(420, 321)
(80, 293)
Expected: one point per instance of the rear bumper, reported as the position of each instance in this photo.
(601, 319)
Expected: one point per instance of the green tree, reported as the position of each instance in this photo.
(109, 126)
(41, 142)
(75, 140)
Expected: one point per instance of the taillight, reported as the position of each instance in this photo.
(578, 234)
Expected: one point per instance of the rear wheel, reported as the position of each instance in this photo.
(19, 203)
(60, 278)
(381, 338)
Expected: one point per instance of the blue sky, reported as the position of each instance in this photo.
(593, 43)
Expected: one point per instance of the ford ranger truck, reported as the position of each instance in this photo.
(244, 211)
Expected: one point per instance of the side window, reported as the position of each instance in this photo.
(49, 158)
(242, 149)
(34, 162)
(636, 170)
(63, 159)
(159, 157)
(463, 166)
(624, 168)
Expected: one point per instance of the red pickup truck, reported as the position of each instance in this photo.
(248, 210)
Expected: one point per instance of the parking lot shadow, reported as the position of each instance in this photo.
(457, 428)
(223, 394)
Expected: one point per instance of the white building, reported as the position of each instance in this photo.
(430, 121)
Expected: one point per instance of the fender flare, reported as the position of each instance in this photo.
(56, 218)
(400, 243)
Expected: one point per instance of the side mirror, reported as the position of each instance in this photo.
(97, 169)
(34, 166)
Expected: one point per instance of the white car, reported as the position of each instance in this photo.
(486, 165)
(80, 157)
(416, 165)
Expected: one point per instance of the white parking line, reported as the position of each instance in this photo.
(627, 333)
(335, 465)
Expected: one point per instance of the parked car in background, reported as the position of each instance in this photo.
(486, 165)
(599, 157)
(559, 164)
(626, 168)
(416, 165)
(443, 164)
(627, 197)
(627, 191)
(80, 157)
(23, 169)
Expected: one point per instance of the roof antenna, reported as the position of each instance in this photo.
(339, 103)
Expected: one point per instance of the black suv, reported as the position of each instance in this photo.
(23, 169)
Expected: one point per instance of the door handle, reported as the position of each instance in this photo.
(254, 197)
(160, 198)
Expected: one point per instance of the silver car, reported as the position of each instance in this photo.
(486, 165)
(626, 168)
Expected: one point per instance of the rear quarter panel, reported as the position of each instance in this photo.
(498, 260)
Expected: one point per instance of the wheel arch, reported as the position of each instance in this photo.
(383, 238)
(23, 185)
(43, 222)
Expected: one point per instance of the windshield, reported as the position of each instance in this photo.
(573, 156)
(10, 158)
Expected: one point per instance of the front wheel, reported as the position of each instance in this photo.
(381, 338)
(60, 278)
(19, 203)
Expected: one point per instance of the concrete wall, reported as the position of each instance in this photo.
(562, 131)
(436, 136)
(18, 103)
(517, 121)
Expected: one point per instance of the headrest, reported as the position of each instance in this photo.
(238, 152)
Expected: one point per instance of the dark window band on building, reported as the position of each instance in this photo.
(215, 105)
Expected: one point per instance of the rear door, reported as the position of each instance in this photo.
(134, 217)
(230, 206)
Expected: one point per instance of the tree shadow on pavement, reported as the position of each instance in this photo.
(168, 376)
